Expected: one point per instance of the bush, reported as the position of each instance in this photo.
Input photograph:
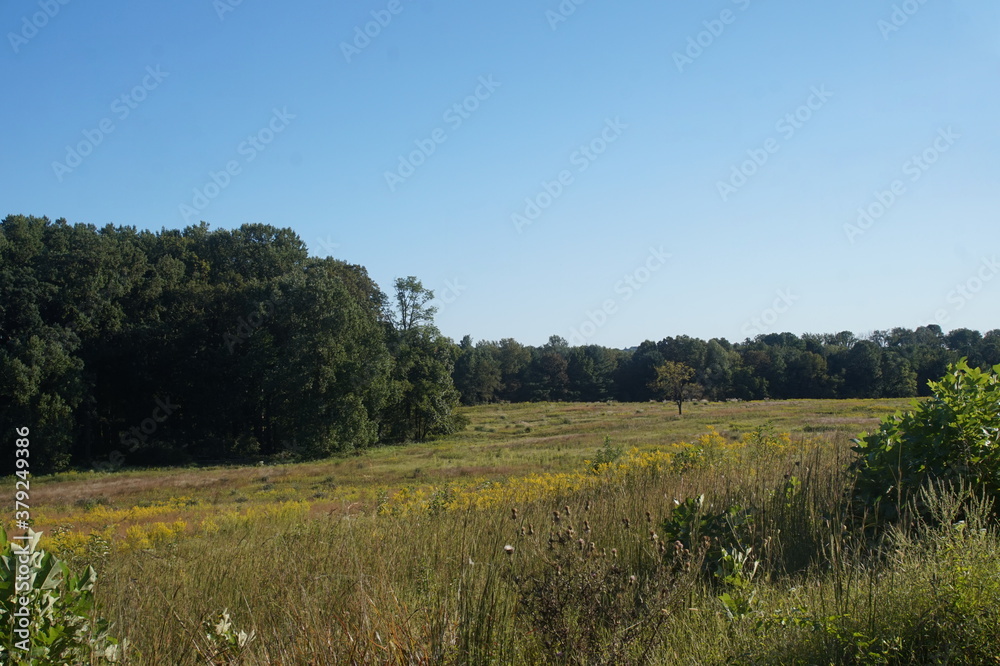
(951, 437)
(606, 455)
(60, 626)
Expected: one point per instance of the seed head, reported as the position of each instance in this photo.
(509, 549)
(513, 513)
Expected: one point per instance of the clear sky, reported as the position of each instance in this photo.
(605, 171)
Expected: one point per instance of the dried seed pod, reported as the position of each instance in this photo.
(513, 513)
(586, 526)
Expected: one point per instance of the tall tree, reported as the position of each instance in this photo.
(411, 304)
(425, 401)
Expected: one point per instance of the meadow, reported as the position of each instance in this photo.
(500, 442)
(564, 533)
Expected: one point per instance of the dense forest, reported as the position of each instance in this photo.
(128, 347)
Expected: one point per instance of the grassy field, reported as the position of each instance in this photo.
(501, 441)
(526, 540)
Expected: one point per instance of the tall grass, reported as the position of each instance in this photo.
(583, 573)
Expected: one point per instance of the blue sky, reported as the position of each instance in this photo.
(613, 172)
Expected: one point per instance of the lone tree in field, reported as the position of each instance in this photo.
(671, 380)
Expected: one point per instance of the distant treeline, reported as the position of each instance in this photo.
(126, 347)
(885, 364)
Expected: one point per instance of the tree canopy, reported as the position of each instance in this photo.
(130, 347)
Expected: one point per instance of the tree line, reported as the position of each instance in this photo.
(125, 347)
(130, 347)
(895, 363)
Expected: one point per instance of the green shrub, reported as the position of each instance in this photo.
(719, 535)
(950, 437)
(60, 626)
(606, 455)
